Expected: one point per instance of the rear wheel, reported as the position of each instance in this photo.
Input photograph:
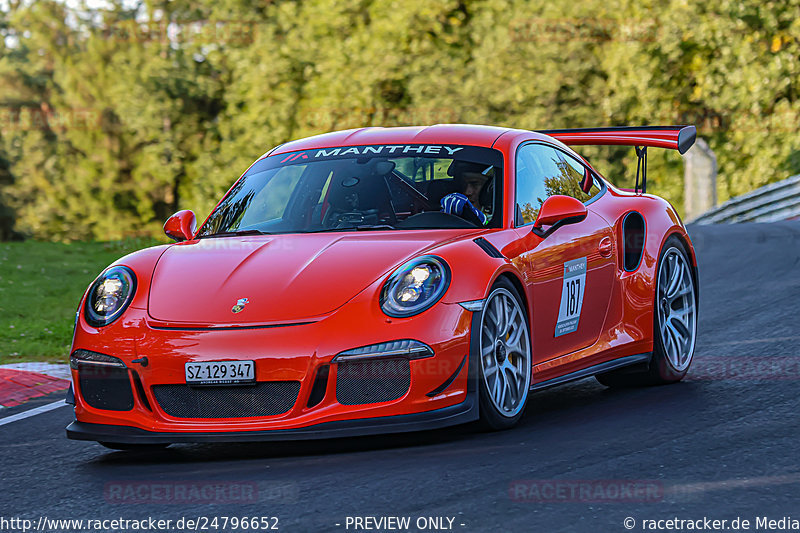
(505, 358)
(675, 323)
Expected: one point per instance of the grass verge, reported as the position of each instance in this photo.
(41, 284)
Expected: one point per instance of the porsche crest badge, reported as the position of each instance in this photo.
(240, 303)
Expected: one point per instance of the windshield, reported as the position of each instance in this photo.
(365, 187)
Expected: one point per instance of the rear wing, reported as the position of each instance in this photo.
(679, 138)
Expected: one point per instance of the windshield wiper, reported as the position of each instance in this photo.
(236, 233)
(375, 227)
(363, 227)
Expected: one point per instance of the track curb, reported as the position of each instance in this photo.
(21, 382)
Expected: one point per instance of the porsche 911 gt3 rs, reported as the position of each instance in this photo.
(386, 280)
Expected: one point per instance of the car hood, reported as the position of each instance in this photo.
(284, 278)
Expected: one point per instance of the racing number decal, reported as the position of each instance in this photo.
(569, 312)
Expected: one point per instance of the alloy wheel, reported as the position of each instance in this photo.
(505, 352)
(677, 315)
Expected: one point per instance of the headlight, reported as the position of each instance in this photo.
(415, 286)
(110, 295)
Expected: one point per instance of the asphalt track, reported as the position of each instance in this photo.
(722, 444)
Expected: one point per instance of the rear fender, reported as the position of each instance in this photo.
(637, 288)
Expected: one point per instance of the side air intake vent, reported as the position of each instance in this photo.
(633, 235)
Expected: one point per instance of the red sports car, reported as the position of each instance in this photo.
(385, 280)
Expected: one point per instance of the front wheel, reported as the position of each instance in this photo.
(675, 323)
(505, 358)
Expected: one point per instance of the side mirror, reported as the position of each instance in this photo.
(181, 226)
(558, 211)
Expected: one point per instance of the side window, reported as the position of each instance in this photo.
(419, 169)
(543, 171)
(572, 187)
(530, 191)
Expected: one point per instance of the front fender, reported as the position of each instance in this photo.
(474, 269)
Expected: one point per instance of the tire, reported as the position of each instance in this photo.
(504, 358)
(674, 323)
(131, 447)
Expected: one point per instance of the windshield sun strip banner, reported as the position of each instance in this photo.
(390, 151)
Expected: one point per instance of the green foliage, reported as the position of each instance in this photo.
(112, 119)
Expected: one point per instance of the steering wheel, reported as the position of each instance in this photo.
(470, 216)
(349, 219)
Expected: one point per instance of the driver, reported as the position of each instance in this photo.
(470, 179)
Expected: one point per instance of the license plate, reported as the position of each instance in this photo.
(220, 372)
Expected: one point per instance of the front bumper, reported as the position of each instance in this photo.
(440, 392)
(467, 411)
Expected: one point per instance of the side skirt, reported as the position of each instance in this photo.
(594, 370)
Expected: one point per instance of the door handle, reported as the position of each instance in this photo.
(606, 247)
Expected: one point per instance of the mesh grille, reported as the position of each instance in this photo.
(372, 381)
(106, 388)
(263, 399)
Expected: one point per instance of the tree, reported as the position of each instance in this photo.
(116, 117)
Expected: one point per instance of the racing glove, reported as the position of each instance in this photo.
(454, 204)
